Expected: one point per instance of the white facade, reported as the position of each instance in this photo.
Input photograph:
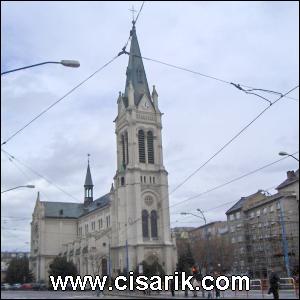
(130, 224)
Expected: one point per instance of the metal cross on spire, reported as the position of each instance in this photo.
(133, 11)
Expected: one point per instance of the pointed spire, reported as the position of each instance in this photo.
(155, 97)
(88, 185)
(38, 197)
(136, 71)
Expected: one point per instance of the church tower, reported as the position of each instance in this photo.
(141, 230)
(88, 186)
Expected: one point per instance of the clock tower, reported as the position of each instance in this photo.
(141, 230)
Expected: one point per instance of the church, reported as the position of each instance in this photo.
(129, 225)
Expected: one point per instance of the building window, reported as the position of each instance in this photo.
(238, 215)
(265, 210)
(154, 224)
(232, 240)
(144, 179)
(154, 180)
(141, 140)
(232, 228)
(150, 147)
(231, 217)
(86, 228)
(271, 208)
(122, 181)
(93, 225)
(99, 225)
(107, 221)
(145, 228)
(150, 179)
(141, 179)
(258, 213)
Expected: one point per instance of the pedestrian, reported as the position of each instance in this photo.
(274, 284)
(218, 292)
(172, 287)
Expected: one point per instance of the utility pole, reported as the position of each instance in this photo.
(284, 242)
(127, 258)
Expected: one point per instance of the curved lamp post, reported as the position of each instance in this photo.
(30, 186)
(65, 62)
(283, 153)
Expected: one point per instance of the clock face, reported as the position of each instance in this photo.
(146, 104)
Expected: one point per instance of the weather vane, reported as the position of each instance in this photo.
(133, 11)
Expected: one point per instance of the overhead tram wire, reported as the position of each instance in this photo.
(209, 76)
(39, 175)
(232, 139)
(230, 181)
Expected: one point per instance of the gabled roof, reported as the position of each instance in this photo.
(291, 178)
(136, 72)
(238, 205)
(96, 204)
(62, 209)
(73, 210)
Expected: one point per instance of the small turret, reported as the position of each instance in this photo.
(88, 185)
(155, 98)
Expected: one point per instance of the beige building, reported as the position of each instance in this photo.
(131, 223)
(264, 230)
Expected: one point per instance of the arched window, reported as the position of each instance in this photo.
(141, 140)
(150, 147)
(145, 228)
(154, 224)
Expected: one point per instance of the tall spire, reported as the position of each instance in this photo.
(88, 178)
(135, 71)
(88, 185)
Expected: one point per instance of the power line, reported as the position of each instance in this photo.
(231, 181)
(60, 99)
(230, 141)
(38, 174)
(210, 77)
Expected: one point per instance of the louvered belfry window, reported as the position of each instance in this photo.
(145, 228)
(154, 224)
(141, 139)
(123, 150)
(150, 147)
(126, 143)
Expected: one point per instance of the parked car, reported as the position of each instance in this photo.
(16, 286)
(26, 286)
(5, 286)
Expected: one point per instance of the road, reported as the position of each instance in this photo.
(122, 295)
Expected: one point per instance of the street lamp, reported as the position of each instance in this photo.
(206, 234)
(30, 186)
(65, 62)
(283, 153)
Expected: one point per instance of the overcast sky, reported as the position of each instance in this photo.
(253, 43)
